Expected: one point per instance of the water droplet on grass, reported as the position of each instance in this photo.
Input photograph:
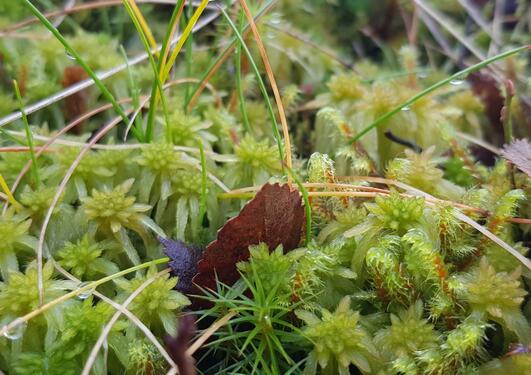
(456, 82)
(87, 293)
(406, 108)
(69, 55)
(16, 332)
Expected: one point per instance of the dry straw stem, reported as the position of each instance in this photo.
(144, 100)
(222, 158)
(223, 57)
(49, 141)
(71, 90)
(209, 332)
(273, 82)
(431, 200)
(186, 32)
(85, 6)
(479, 142)
(143, 24)
(65, 297)
(448, 25)
(132, 317)
(15, 149)
(105, 331)
(59, 192)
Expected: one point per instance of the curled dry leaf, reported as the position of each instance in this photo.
(275, 216)
(519, 153)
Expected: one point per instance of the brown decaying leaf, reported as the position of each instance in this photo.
(519, 153)
(274, 216)
(76, 104)
(487, 90)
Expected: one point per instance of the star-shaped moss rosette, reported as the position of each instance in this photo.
(113, 211)
(158, 303)
(14, 236)
(339, 340)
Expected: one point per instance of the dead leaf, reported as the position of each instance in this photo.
(519, 153)
(76, 104)
(274, 216)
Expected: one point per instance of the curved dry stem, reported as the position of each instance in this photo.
(223, 158)
(479, 142)
(220, 60)
(55, 137)
(132, 317)
(85, 6)
(273, 82)
(209, 332)
(59, 192)
(146, 99)
(107, 329)
(71, 90)
(16, 149)
(85, 288)
(369, 189)
(310, 43)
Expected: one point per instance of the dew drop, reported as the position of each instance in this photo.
(16, 332)
(456, 82)
(86, 293)
(405, 109)
(69, 55)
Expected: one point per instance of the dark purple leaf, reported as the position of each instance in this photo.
(183, 261)
(177, 346)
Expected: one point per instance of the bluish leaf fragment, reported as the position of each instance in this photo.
(183, 261)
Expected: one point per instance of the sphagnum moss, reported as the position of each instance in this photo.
(387, 282)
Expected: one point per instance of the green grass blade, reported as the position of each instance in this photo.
(105, 92)
(241, 97)
(134, 91)
(29, 138)
(160, 65)
(186, 33)
(225, 53)
(157, 82)
(188, 55)
(274, 123)
(13, 139)
(459, 75)
(204, 177)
